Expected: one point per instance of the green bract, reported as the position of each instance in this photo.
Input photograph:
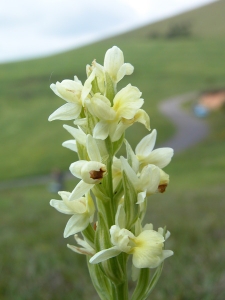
(109, 203)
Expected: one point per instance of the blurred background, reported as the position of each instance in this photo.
(178, 51)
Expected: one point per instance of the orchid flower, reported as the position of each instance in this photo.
(126, 105)
(82, 209)
(114, 66)
(145, 183)
(74, 93)
(146, 248)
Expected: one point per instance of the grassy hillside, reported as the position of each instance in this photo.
(204, 22)
(163, 67)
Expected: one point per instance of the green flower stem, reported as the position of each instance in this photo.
(106, 210)
(120, 291)
(144, 287)
(101, 283)
(109, 182)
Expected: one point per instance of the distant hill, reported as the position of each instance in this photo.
(163, 67)
(204, 22)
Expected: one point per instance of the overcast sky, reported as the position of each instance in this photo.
(37, 28)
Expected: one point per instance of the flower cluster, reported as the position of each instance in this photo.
(109, 203)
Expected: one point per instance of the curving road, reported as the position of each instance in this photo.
(190, 131)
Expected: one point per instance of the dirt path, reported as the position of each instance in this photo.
(190, 131)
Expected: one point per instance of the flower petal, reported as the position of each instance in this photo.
(148, 253)
(141, 197)
(104, 255)
(132, 157)
(125, 69)
(119, 130)
(127, 102)
(113, 60)
(87, 86)
(100, 107)
(68, 111)
(167, 253)
(142, 117)
(101, 130)
(75, 168)
(76, 223)
(154, 180)
(78, 206)
(68, 90)
(160, 157)
(61, 207)
(80, 189)
(92, 149)
(81, 250)
(145, 146)
(129, 171)
(70, 144)
(78, 134)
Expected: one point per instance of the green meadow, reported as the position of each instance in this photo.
(35, 262)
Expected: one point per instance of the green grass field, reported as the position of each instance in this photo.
(34, 261)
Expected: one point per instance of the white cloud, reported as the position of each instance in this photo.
(33, 28)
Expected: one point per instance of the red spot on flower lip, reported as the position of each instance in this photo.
(97, 174)
(162, 188)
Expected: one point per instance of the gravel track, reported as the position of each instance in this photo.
(190, 129)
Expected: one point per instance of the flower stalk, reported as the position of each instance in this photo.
(110, 202)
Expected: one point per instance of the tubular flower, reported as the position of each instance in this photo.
(146, 248)
(82, 209)
(146, 155)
